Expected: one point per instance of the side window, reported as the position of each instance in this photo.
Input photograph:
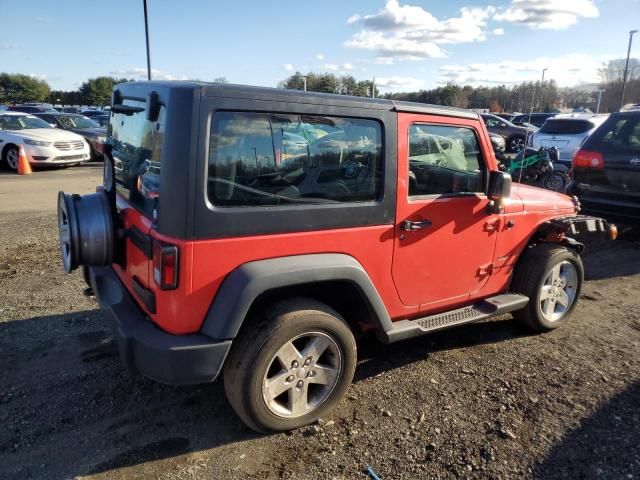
(622, 136)
(444, 160)
(272, 159)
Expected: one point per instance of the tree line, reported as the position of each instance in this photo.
(502, 98)
(18, 88)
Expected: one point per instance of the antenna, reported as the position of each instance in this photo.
(146, 33)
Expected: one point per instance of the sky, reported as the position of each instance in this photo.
(405, 45)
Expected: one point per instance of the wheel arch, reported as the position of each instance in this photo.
(338, 280)
(6, 147)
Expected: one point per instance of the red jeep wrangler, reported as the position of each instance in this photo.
(257, 232)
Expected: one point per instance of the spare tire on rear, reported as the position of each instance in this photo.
(85, 226)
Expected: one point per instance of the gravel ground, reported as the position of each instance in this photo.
(486, 400)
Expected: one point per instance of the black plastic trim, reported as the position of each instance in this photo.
(146, 295)
(142, 241)
(250, 280)
(144, 348)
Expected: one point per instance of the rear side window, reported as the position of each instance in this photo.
(566, 127)
(444, 160)
(137, 154)
(274, 159)
(618, 134)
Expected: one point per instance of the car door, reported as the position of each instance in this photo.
(444, 237)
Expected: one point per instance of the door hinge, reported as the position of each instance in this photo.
(485, 270)
(492, 225)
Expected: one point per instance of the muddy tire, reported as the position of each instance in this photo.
(551, 276)
(290, 366)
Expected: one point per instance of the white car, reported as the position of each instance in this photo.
(43, 144)
(567, 133)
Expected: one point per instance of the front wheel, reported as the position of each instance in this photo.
(555, 181)
(551, 276)
(516, 143)
(290, 367)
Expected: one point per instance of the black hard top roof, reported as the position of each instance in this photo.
(245, 91)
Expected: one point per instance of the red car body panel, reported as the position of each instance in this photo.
(466, 255)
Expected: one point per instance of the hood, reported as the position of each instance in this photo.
(91, 132)
(534, 199)
(47, 134)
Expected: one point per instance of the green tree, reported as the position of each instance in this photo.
(18, 88)
(97, 91)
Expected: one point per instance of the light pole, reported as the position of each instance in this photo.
(304, 79)
(599, 99)
(626, 68)
(542, 88)
(533, 94)
(146, 33)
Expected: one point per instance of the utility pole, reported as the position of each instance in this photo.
(533, 95)
(373, 88)
(304, 80)
(541, 89)
(146, 33)
(626, 68)
(599, 99)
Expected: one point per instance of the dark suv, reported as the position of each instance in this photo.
(258, 232)
(607, 169)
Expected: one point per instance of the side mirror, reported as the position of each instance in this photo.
(499, 189)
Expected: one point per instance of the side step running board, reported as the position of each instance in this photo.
(487, 308)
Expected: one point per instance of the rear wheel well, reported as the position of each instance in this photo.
(342, 296)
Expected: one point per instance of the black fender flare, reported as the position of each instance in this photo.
(250, 280)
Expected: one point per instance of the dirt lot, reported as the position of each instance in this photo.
(487, 400)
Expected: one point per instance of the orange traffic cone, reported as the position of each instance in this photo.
(23, 164)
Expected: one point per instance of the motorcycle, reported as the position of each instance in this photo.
(536, 167)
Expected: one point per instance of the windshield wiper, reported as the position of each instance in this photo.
(126, 109)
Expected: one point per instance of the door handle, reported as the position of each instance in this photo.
(409, 226)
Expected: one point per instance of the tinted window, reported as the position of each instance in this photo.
(618, 134)
(444, 160)
(137, 154)
(272, 159)
(566, 127)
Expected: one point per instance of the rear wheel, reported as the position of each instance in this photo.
(551, 276)
(290, 367)
(555, 181)
(516, 143)
(11, 156)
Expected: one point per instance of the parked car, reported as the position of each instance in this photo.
(566, 132)
(30, 108)
(259, 238)
(607, 169)
(3, 108)
(69, 109)
(92, 113)
(514, 136)
(43, 145)
(497, 142)
(537, 119)
(102, 120)
(90, 130)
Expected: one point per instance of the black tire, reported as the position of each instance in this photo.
(530, 276)
(516, 143)
(254, 354)
(554, 181)
(10, 150)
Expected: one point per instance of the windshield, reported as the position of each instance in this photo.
(21, 122)
(77, 121)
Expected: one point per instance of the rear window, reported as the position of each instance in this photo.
(618, 134)
(566, 127)
(137, 154)
(274, 159)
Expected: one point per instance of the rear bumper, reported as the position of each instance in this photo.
(611, 209)
(144, 348)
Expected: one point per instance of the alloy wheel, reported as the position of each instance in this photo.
(558, 291)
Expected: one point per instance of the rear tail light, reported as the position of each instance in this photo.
(165, 265)
(587, 159)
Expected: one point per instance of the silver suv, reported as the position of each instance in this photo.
(567, 133)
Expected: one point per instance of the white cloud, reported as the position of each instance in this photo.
(399, 83)
(548, 14)
(406, 32)
(330, 67)
(37, 76)
(498, 31)
(320, 56)
(566, 70)
(287, 67)
(7, 46)
(140, 73)
(347, 66)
